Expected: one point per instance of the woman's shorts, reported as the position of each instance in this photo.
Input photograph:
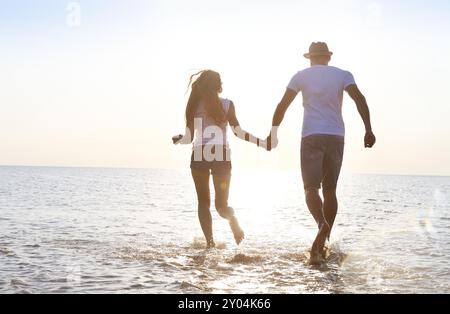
(215, 159)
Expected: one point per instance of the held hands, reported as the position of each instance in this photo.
(176, 139)
(272, 143)
(261, 143)
(272, 139)
(369, 139)
(181, 139)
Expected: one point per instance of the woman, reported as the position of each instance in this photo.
(207, 116)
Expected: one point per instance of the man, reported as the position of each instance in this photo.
(323, 135)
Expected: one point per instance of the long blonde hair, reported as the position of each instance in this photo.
(206, 89)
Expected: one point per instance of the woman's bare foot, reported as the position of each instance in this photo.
(210, 244)
(237, 231)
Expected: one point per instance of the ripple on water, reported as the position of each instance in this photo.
(137, 254)
(63, 289)
(294, 257)
(18, 283)
(77, 243)
(334, 257)
(136, 286)
(32, 246)
(193, 288)
(245, 259)
(7, 252)
(200, 244)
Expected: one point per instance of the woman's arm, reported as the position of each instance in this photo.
(239, 132)
(185, 139)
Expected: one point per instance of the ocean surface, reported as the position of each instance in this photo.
(81, 230)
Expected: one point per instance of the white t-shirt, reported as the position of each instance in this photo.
(323, 91)
(207, 131)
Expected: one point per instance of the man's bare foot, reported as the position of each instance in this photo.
(321, 237)
(237, 231)
(210, 244)
(316, 258)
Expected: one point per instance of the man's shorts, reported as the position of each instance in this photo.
(321, 161)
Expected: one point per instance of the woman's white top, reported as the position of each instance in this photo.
(206, 130)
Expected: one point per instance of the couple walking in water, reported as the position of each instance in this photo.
(322, 146)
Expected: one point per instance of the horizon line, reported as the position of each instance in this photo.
(174, 169)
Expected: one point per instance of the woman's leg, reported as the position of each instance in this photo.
(201, 180)
(222, 189)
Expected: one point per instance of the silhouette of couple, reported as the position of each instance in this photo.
(322, 146)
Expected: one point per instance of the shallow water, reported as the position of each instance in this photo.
(79, 230)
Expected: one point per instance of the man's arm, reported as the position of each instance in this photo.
(363, 109)
(286, 101)
(283, 106)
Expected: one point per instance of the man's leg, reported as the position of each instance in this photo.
(330, 207)
(314, 203)
(332, 164)
(312, 154)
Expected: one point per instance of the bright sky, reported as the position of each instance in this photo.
(106, 87)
